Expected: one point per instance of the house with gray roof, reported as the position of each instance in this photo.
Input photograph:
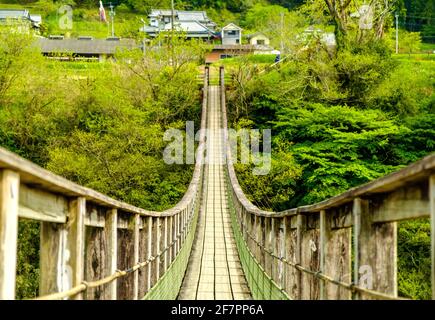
(193, 24)
(20, 19)
(84, 48)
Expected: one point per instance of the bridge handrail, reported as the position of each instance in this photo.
(369, 212)
(65, 209)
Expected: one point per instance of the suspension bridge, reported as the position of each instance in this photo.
(214, 244)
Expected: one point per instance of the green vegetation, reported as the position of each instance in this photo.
(340, 118)
(100, 125)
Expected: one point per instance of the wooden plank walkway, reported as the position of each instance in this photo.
(214, 270)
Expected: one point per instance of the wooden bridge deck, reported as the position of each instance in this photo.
(214, 270)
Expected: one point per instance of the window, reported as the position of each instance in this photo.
(237, 41)
(261, 42)
(232, 32)
(225, 56)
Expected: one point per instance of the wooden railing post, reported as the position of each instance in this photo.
(300, 228)
(170, 239)
(267, 245)
(9, 191)
(157, 246)
(136, 255)
(324, 238)
(432, 223)
(245, 224)
(281, 249)
(149, 252)
(111, 234)
(273, 242)
(257, 234)
(165, 244)
(375, 266)
(75, 241)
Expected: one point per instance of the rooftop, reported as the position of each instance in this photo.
(14, 14)
(85, 46)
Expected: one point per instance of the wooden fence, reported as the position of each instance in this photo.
(91, 246)
(307, 251)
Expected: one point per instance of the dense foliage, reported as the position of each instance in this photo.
(342, 116)
(339, 116)
(100, 125)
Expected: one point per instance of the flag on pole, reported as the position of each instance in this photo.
(102, 13)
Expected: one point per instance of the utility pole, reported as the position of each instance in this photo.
(282, 33)
(397, 33)
(143, 21)
(172, 31)
(112, 16)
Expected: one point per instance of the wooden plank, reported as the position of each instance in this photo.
(325, 230)
(274, 244)
(335, 258)
(281, 249)
(432, 223)
(310, 259)
(409, 202)
(75, 241)
(341, 217)
(267, 244)
(54, 276)
(375, 265)
(155, 272)
(125, 285)
(143, 256)
(124, 221)
(165, 244)
(245, 226)
(300, 228)
(258, 234)
(136, 239)
(111, 234)
(149, 250)
(162, 246)
(357, 208)
(9, 199)
(95, 216)
(36, 204)
(95, 261)
(292, 274)
(170, 239)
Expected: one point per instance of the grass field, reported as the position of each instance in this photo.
(428, 47)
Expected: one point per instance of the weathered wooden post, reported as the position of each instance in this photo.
(150, 252)
(170, 239)
(136, 242)
(111, 233)
(291, 279)
(75, 241)
(164, 244)
(280, 250)
(157, 236)
(9, 191)
(375, 266)
(432, 223)
(143, 256)
(325, 230)
(300, 228)
(257, 234)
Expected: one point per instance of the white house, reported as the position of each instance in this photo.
(195, 24)
(259, 39)
(231, 34)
